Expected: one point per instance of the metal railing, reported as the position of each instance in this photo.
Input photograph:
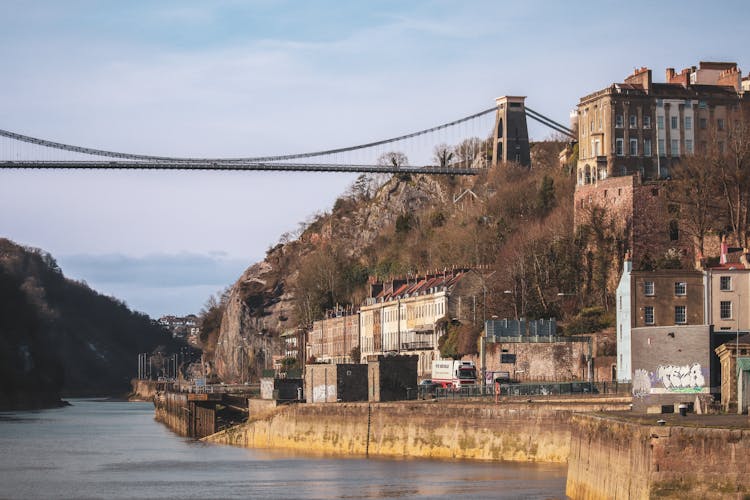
(543, 389)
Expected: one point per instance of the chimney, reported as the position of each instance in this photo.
(724, 249)
(670, 74)
(627, 264)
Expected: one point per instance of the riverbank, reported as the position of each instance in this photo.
(34, 401)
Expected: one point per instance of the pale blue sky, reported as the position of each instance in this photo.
(229, 78)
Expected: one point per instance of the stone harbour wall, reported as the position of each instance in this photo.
(517, 432)
(610, 458)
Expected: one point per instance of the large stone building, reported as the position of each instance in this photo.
(643, 126)
(408, 316)
(631, 135)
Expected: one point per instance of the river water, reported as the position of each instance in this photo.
(102, 449)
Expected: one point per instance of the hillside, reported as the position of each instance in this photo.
(515, 221)
(59, 337)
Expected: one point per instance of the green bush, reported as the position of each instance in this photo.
(589, 320)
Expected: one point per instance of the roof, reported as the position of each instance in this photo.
(421, 285)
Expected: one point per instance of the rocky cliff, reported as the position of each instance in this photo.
(508, 217)
(261, 304)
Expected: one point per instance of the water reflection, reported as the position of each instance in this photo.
(97, 449)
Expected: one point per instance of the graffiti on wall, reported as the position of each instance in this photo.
(641, 383)
(669, 379)
(321, 393)
(682, 378)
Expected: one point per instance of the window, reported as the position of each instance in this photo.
(720, 123)
(648, 288)
(619, 145)
(703, 123)
(680, 288)
(688, 146)
(661, 149)
(725, 283)
(673, 121)
(721, 146)
(675, 149)
(647, 121)
(633, 147)
(688, 122)
(648, 315)
(646, 147)
(660, 122)
(725, 309)
(618, 121)
(674, 231)
(680, 315)
(633, 121)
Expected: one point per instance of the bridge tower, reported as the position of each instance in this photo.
(511, 133)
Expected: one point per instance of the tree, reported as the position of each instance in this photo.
(545, 198)
(442, 155)
(693, 191)
(468, 150)
(393, 159)
(732, 162)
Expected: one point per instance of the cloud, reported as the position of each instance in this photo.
(154, 271)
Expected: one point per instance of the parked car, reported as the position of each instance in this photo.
(427, 388)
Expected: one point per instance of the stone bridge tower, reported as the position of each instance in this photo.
(511, 133)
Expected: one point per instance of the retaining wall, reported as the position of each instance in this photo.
(518, 432)
(610, 458)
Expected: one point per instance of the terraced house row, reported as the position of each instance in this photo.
(400, 316)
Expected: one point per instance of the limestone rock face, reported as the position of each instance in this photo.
(261, 305)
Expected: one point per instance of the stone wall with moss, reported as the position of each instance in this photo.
(529, 432)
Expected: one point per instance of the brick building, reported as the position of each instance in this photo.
(333, 338)
(631, 134)
(648, 299)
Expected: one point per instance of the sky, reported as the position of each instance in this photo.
(256, 77)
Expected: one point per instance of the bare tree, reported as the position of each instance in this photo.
(694, 189)
(732, 162)
(393, 159)
(442, 155)
(468, 150)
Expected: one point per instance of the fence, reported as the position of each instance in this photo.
(525, 389)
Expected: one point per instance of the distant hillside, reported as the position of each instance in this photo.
(60, 337)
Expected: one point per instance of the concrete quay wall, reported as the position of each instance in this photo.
(171, 409)
(614, 458)
(527, 432)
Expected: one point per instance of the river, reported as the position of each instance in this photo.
(105, 449)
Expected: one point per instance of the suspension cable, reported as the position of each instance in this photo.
(130, 156)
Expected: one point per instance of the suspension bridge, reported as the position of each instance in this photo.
(459, 147)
